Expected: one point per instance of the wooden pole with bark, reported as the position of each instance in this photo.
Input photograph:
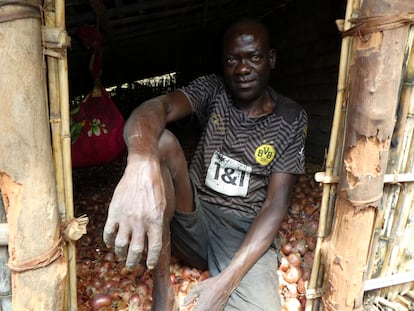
(375, 74)
(27, 180)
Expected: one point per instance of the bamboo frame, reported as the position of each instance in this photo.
(61, 140)
(332, 160)
(393, 242)
(407, 176)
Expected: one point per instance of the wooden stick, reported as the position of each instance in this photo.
(389, 281)
(388, 178)
(392, 305)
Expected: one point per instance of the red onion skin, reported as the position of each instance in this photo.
(294, 259)
(293, 274)
(100, 300)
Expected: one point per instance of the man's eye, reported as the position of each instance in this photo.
(230, 60)
(255, 58)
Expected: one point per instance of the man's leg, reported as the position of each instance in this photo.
(259, 289)
(179, 195)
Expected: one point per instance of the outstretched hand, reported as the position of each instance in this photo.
(136, 214)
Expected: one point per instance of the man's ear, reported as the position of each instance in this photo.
(272, 58)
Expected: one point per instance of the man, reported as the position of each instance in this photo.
(225, 212)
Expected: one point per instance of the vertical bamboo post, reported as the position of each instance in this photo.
(375, 76)
(61, 142)
(27, 180)
(66, 150)
(54, 93)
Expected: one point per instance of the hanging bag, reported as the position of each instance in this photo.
(96, 130)
(96, 125)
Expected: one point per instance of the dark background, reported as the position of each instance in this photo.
(147, 38)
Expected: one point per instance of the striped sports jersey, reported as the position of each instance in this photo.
(236, 154)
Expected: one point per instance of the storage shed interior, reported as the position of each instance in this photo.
(143, 39)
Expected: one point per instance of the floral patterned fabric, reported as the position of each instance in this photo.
(96, 130)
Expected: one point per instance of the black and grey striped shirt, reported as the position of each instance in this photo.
(236, 154)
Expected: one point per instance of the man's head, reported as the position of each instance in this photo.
(247, 60)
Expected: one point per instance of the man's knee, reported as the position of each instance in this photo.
(169, 146)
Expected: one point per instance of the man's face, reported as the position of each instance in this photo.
(247, 62)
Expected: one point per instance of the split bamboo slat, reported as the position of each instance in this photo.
(60, 127)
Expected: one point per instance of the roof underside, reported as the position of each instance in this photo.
(143, 38)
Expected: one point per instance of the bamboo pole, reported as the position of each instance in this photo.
(56, 130)
(368, 128)
(66, 151)
(334, 150)
(59, 119)
(26, 164)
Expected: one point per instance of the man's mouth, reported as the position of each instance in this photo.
(244, 84)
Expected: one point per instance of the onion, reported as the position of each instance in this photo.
(292, 304)
(310, 243)
(300, 247)
(287, 248)
(294, 259)
(299, 234)
(186, 272)
(292, 275)
(301, 286)
(295, 208)
(308, 260)
(284, 264)
(135, 300)
(100, 300)
(142, 289)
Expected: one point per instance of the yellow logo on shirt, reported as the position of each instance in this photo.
(264, 154)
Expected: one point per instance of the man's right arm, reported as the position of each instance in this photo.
(146, 123)
(138, 205)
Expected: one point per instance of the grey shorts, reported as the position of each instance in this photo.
(212, 234)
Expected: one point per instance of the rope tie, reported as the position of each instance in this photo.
(41, 261)
(72, 230)
(367, 25)
(28, 10)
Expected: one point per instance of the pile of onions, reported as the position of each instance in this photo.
(297, 237)
(103, 284)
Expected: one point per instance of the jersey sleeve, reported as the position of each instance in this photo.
(292, 159)
(201, 93)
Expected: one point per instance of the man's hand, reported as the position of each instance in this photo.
(209, 295)
(136, 213)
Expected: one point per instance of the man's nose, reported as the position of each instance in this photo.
(243, 67)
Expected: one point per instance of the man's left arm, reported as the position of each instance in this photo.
(263, 230)
(259, 238)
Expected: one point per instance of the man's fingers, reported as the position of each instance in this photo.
(122, 242)
(191, 297)
(136, 248)
(109, 233)
(154, 245)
